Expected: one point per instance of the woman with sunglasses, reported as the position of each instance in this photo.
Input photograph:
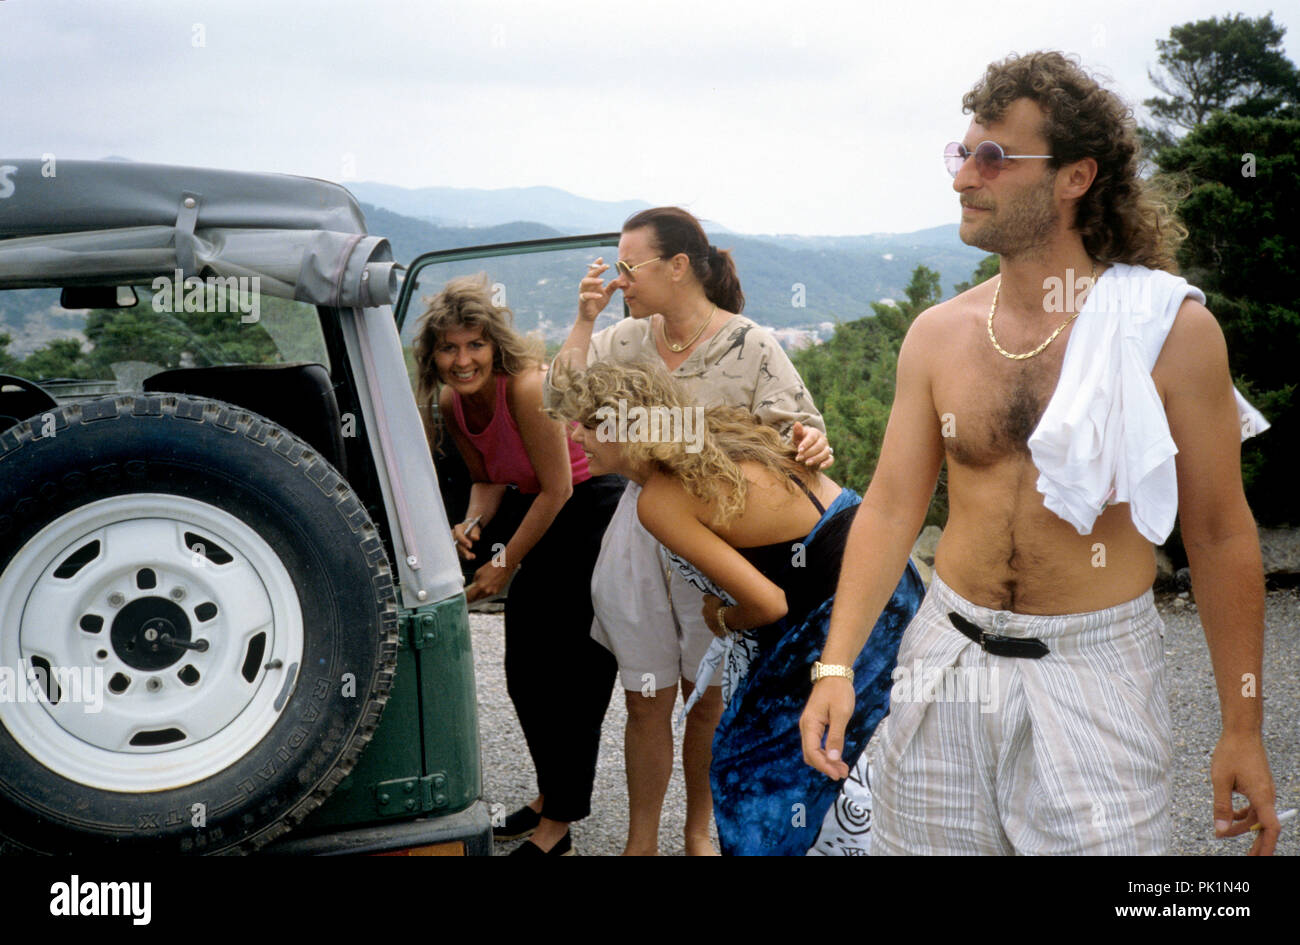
(487, 382)
(685, 299)
(761, 535)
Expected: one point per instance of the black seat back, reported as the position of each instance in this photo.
(20, 399)
(299, 397)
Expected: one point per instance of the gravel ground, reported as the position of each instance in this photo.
(509, 778)
(1194, 704)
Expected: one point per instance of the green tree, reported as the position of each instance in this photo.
(1230, 64)
(852, 378)
(62, 357)
(8, 364)
(1243, 249)
(988, 267)
(1231, 88)
(176, 339)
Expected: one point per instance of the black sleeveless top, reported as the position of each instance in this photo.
(808, 575)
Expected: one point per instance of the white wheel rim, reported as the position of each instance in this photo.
(169, 726)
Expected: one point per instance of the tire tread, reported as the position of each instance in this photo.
(237, 421)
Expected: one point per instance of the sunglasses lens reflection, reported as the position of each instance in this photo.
(954, 155)
(988, 159)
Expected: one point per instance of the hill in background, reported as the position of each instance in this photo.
(472, 207)
(789, 281)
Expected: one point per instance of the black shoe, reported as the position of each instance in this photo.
(563, 847)
(520, 824)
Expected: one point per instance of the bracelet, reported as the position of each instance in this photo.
(723, 630)
(822, 670)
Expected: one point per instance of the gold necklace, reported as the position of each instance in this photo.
(1050, 338)
(663, 327)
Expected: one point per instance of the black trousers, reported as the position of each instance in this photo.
(558, 677)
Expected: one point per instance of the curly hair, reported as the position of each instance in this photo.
(466, 302)
(730, 435)
(1122, 218)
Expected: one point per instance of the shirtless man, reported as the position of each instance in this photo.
(1073, 753)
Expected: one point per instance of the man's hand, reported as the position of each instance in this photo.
(1240, 765)
(827, 713)
(811, 446)
(488, 581)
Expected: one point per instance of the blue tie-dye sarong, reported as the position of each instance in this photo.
(767, 801)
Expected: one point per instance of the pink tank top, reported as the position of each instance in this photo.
(503, 450)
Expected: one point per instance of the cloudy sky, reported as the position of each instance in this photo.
(797, 116)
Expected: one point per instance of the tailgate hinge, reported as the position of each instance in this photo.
(405, 796)
(418, 630)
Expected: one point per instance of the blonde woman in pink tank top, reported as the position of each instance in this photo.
(487, 383)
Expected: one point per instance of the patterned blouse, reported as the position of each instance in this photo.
(742, 365)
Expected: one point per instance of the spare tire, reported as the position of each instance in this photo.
(199, 628)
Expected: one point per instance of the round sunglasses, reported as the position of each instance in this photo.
(990, 159)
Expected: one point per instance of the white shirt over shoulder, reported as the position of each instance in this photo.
(1104, 437)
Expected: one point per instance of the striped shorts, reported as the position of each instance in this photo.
(1067, 754)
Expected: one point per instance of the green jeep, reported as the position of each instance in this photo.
(230, 607)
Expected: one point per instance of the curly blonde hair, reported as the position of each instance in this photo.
(466, 302)
(1122, 218)
(730, 435)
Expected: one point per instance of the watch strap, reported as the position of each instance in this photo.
(822, 670)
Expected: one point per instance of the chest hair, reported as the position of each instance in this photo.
(998, 411)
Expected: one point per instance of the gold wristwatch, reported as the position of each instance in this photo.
(821, 670)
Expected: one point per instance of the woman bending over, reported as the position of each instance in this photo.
(762, 535)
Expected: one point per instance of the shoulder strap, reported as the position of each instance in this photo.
(821, 510)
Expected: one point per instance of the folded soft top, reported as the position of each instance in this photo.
(90, 222)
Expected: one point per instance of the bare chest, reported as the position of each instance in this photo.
(988, 405)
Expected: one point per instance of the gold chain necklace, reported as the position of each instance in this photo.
(1050, 338)
(663, 327)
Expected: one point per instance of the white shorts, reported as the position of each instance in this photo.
(648, 618)
(1066, 754)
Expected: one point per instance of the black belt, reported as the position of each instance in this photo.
(1030, 648)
